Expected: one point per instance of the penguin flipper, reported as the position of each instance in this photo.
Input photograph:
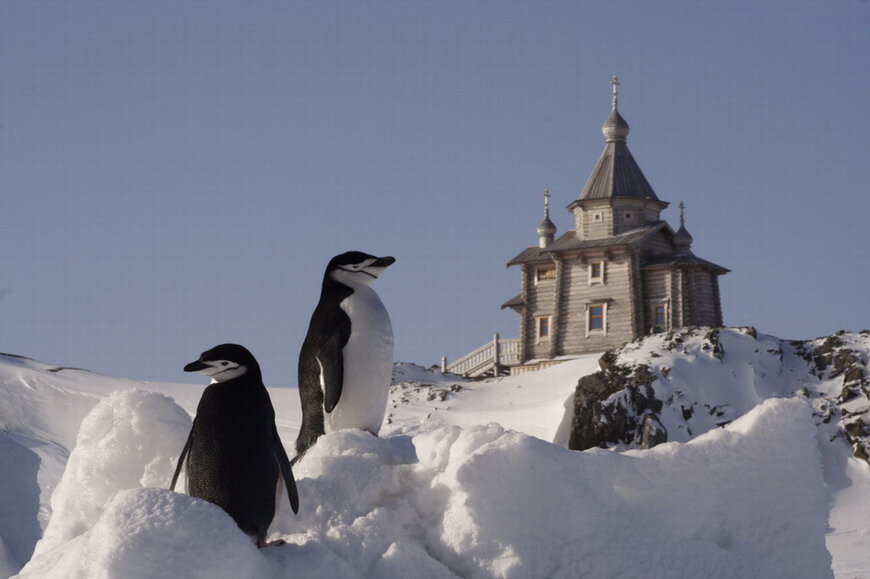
(181, 459)
(286, 470)
(331, 371)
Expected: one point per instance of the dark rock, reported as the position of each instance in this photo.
(652, 432)
(622, 419)
(712, 341)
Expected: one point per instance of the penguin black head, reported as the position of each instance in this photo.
(357, 268)
(225, 362)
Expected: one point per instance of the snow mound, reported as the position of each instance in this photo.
(131, 439)
(715, 507)
(488, 502)
(747, 500)
(155, 533)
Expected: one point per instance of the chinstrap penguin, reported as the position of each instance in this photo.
(233, 456)
(346, 361)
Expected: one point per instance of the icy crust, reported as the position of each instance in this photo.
(744, 501)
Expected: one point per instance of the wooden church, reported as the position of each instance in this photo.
(621, 273)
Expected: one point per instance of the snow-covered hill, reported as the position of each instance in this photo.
(464, 480)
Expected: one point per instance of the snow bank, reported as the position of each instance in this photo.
(745, 501)
(130, 439)
(719, 506)
(155, 533)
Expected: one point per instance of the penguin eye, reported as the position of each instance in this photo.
(225, 363)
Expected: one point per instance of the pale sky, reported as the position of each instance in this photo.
(174, 175)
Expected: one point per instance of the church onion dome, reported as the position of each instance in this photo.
(546, 227)
(615, 129)
(682, 238)
(546, 230)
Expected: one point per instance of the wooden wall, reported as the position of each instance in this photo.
(578, 294)
(705, 302)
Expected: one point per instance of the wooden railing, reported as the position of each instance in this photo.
(492, 358)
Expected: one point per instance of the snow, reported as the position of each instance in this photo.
(463, 481)
(534, 403)
(130, 439)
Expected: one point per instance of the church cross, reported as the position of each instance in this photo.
(614, 83)
(546, 203)
(682, 207)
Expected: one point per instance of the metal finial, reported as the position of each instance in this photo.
(614, 83)
(682, 207)
(546, 203)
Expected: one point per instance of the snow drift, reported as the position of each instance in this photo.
(447, 492)
(475, 502)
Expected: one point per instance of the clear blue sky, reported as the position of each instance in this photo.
(176, 174)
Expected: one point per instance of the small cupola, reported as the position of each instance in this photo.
(546, 229)
(682, 238)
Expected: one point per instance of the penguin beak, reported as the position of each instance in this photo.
(375, 268)
(195, 367)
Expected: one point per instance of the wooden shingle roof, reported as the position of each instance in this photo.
(570, 242)
(684, 260)
(617, 174)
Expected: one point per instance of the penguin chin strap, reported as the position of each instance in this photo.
(224, 375)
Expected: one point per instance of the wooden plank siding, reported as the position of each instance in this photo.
(595, 221)
(525, 314)
(703, 291)
(636, 295)
(540, 301)
(556, 322)
(656, 290)
(718, 305)
(629, 215)
(578, 294)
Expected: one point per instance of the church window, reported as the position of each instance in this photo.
(543, 327)
(544, 273)
(596, 272)
(628, 216)
(597, 318)
(659, 318)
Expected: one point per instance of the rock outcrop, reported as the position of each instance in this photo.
(678, 385)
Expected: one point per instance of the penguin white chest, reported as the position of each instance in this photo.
(368, 365)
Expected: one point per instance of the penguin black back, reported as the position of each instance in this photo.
(234, 456)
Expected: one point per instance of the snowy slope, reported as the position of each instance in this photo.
(445, 491)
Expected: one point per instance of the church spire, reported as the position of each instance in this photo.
(546, 230)
(616, 174)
